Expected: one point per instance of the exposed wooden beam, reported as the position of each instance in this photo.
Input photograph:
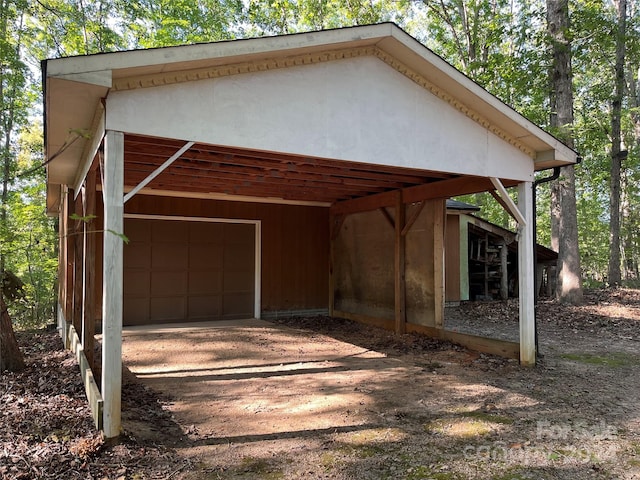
(511, 206)
(291, 194)
(387, 216)
(502, 203)
(190, 176)
(445, 189)
(508, 235)
(157, 171)
(91, 148)
(141, 144)
(449, 188)
(364, 204)
(226, 197)
(412, 219)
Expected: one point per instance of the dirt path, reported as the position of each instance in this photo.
(326, 398)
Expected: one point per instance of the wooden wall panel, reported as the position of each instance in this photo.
(364, 266)
(420, 267)
(295, 245)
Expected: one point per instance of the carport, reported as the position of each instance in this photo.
(274, 176)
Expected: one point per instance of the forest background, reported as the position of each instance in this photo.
(504, 45)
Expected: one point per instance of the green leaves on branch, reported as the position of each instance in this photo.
(90, 218)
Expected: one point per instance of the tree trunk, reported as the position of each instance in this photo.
(563, 209)
(616, 153)
(10, 355)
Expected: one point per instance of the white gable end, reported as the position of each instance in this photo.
(357, 109)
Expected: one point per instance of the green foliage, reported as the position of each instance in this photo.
(29, 240)
(289, 16)
(151, 23)
(501, 44)
(72, 27)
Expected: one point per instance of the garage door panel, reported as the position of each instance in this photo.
(206, 232)
(169, 283)
(238, 233)
(239, 258)
(137, 283)
(206, 256)
(137, 230)
(136, 310)
(238, 305)
(164, 309)
(169, 231)
(137, 255)
(205, 307)
(205, 282)
(189, 271)
(167, 255)
(238, 282)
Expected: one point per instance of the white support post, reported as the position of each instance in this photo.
(526, 278)
(112, 282)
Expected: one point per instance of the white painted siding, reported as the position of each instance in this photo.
(358, 109)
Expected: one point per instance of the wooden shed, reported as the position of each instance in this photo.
(295, 174)
(481, 258)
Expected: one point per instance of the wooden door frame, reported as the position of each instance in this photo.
(257, 241)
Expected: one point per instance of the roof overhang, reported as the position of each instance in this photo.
(74, 88)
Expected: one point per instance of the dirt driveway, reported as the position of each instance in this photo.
(326, 398)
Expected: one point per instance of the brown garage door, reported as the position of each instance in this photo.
(186, 271)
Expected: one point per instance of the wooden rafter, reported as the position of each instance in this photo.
(232, 171)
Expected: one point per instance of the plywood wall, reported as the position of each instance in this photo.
(364, 270)
(295, 245)
(363, 266)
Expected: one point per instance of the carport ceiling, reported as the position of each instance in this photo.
(232, 171)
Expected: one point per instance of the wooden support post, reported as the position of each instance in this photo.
(78, 242)
(62, 266)
(70, 249)
(486, 266)
(112, 289)
(62, 245)
(89, 277)
(504, 270)
(400, 298)
(335, 224)
(439, 229)
(526, 277)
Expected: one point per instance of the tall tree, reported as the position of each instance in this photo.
(12, 113)
(158, 23)
(563, 210)
(74, 27)
(617, 155)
